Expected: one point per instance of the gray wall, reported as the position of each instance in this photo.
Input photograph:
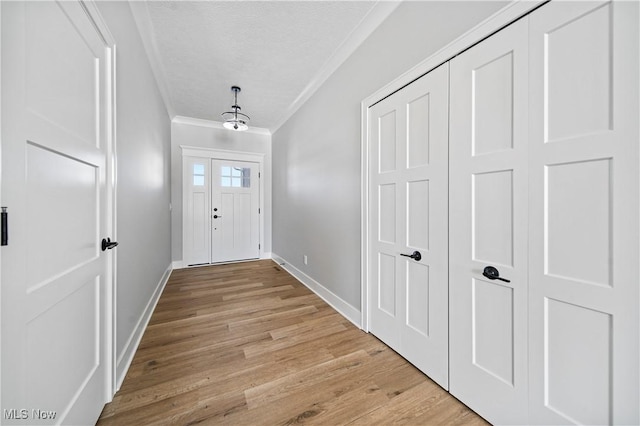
(213, 138)
(143, 177)
(316, 153)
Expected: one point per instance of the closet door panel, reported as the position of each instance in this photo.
(583, 268)
(488, 226)
(492, 110)
(408, 213)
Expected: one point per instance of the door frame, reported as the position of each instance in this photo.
(223, 154)
(508, 14)
(111, 181)
(95, 16)
(1, 199)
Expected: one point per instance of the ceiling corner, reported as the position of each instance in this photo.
(142, 19)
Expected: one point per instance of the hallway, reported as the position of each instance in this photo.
(246, 343)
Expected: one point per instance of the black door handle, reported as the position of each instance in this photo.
(215, 216)
(4, 219)
(107, 244)
(493, 274)
(415, 255)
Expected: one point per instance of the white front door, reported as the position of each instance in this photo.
(235, 210)
(488, 226)
(408, 214)
(584, 278)
(55, 280)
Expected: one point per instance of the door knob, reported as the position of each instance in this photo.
(215, 216)
(415, 255)
(493, 274)
(107, 244)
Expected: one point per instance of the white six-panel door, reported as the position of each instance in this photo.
(488, 226)
(55, 281)
(583, 267)
(235, 215)
(408, 213)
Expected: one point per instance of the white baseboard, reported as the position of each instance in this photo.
(178, 264)
(126, 356)
(344, 308)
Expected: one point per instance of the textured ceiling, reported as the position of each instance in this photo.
(275, 50)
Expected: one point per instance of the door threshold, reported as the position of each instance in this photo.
(226, 262)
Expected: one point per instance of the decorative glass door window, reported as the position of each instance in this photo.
(198, 175)
(235, 177)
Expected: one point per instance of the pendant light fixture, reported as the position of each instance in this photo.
(234, 119)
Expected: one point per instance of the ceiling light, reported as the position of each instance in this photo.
(235, 120)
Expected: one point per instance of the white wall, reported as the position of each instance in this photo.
(143, 182)
(204, 136)
(316, 153)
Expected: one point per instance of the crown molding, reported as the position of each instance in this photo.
(371, 21)
(142, 19)
(515, 9)
(179, 119)
(377, 14)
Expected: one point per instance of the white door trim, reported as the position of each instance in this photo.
(223, 154)
(111, 181)
(498, 20)
(1, 351)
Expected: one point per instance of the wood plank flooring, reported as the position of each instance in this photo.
(247, 344)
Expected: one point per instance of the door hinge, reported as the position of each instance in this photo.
(258, 210)
(4, 237)
(258, 246)
(259, 175)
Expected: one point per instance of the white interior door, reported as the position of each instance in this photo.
(488, 226)
(584, 161)
(55, 280)
(196, 240)
(235, 210)
(408, 213)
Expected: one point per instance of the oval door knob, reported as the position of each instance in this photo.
(415, 255)
(493, 274)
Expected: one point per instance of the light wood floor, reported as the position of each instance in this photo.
(248, 344)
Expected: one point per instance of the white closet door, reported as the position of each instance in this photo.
(196, 217)
(584, 217)
(408, 213)
(488, 226)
